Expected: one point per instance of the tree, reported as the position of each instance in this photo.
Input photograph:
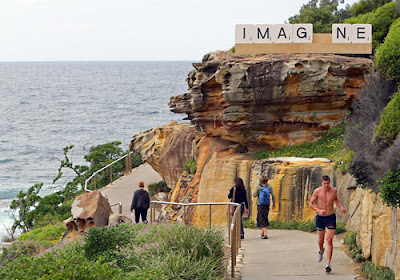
(366, 6)
(322, 14)
(380, 19)
(30, 209)
(23, 205)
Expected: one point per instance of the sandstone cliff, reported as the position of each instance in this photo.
(238, 104)
(273, 100)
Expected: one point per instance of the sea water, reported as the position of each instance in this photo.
(46, 106)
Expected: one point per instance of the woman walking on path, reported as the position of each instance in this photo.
(239, 195)
(263, 193)
(140, 203)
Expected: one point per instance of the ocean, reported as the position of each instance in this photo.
(45, 106)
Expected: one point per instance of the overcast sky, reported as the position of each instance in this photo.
(60, 30)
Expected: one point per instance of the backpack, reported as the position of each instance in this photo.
(265, 196)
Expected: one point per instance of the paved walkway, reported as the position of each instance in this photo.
(122, 189)
(291, 255)
(286, 255)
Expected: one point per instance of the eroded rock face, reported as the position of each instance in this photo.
(166, 148)
(377, 227)
(273, 100)
(88, 210)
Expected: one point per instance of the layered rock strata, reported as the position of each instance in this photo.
(293, 179)
(271, 100)
(238, 104)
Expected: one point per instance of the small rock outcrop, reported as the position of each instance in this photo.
(88, 210)
(271, 100)
(167, 148)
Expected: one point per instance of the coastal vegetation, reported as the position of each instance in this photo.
(376, 272)
(160, 186)
(354, 250)
(330, 146)
(30, 210)
(126, 251)
(190, 166)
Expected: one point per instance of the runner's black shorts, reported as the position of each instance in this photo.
(323, 222)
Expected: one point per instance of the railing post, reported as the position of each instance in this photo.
(240, 230)
(237, 234)
(229, 218)
(110, 175)
(210, 216)
(233, 250)
(120, 208)
(126, 166)
(151, 213)
(130, 163)
(95, 182)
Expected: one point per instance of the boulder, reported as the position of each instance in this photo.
(116, 219)
(88, 210)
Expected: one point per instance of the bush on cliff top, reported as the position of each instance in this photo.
(388, 54)
(389, 125)
(328, 146)
(381, 20)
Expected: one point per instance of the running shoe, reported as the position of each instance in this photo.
(321, 255)
(328, 268)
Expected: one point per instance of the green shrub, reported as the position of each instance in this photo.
(51, 234)
(390, 188)
(376, 272)
(18, 249)
(381, 19)
(61, 262)
(156, 251)
(327, 146)
(343, 160)
(160, 186)
(360, 19)
(249, 223)
(389, 125)
(105, 242)
(366, 6)
(355, 251)
(340, 227)
(191, 166)
(388, 54)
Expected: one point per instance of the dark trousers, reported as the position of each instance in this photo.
(141, 212)
(241, 220)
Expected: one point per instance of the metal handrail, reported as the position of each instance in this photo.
(119, 208)
(234, 223)
(109, 165)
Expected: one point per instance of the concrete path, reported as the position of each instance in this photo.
(122, 189)
(291, 255)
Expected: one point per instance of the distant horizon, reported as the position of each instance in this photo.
(39, 61)
(121, 30)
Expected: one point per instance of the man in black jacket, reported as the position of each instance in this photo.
(141, 203)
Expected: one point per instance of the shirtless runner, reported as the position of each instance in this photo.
(325, 196)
